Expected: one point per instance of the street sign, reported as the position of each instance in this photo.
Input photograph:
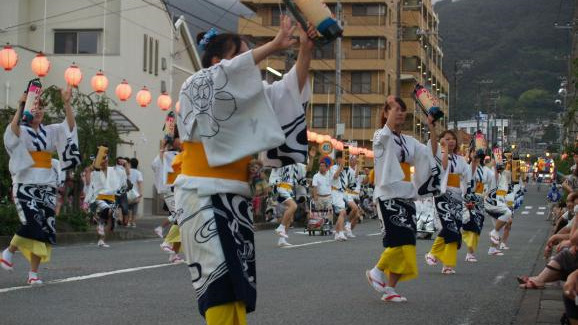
(325, 147)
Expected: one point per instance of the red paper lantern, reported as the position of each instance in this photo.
(99, 82)
(73, 75)
(143, 97)
(40, 65)
(8, 57)
(123, 91)
(312, 136)
(164, 101)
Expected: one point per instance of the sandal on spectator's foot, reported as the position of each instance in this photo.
(522, 279)
(530, 285)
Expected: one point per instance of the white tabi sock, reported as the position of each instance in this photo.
(7, 255)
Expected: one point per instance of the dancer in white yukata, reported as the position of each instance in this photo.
(30, 145)
(227, 115)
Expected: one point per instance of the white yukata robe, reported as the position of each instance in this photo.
(229, 110)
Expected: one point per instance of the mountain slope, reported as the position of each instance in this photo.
(513, 43)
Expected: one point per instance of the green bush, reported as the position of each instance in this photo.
(66, 222)
(72, 221)
(9, 222)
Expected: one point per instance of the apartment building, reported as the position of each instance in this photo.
(141, 43)
(422, 59)
(369, 63)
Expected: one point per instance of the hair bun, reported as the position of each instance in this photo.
(206, 38)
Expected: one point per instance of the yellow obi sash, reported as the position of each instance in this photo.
(479, 188)
(171, 178)
(286, 186)
(42, 159)
(501, 193)
(105, 197)
(177, 167)
(406, 171)
(195, 164)
(454, 180)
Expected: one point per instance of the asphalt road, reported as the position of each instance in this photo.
(322, 282)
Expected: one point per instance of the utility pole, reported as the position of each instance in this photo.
(459, 67)
(339, 14)
(398, 50)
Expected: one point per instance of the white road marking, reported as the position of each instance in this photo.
(87, 277)
(529, 207)
(469, 316)
(533, 237)
(542, 208)
(376, 234)
(309, 244)
(500, 277)
(525, 212)
(541, 213)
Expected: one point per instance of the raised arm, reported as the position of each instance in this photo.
(433, 136)
(305, 54)
(66, 95)
(282, 40)
(15, 124)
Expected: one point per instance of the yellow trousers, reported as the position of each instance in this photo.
(174, 236)
(446, 253)
(233, 313)
(399, 260)
(471, 239)
(28, 246)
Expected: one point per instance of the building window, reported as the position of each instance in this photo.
(367, 43)
(326, 51)
(151, 55)
(323, 115)
(275, 16)
(77, 42)
(145, 52)
(410, 33)
(361, 82)
(324, 82)
(361, 117)
(369, 10)
(410, 63)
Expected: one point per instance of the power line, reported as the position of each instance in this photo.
(54, 16)
(267, 27)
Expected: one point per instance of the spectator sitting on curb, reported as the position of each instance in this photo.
(564, 262)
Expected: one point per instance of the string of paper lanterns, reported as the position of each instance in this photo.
(338, 145)
(41, 65)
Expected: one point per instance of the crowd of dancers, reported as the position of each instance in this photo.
(229, 125)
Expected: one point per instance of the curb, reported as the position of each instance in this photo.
(68, 238)
(534, 309)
